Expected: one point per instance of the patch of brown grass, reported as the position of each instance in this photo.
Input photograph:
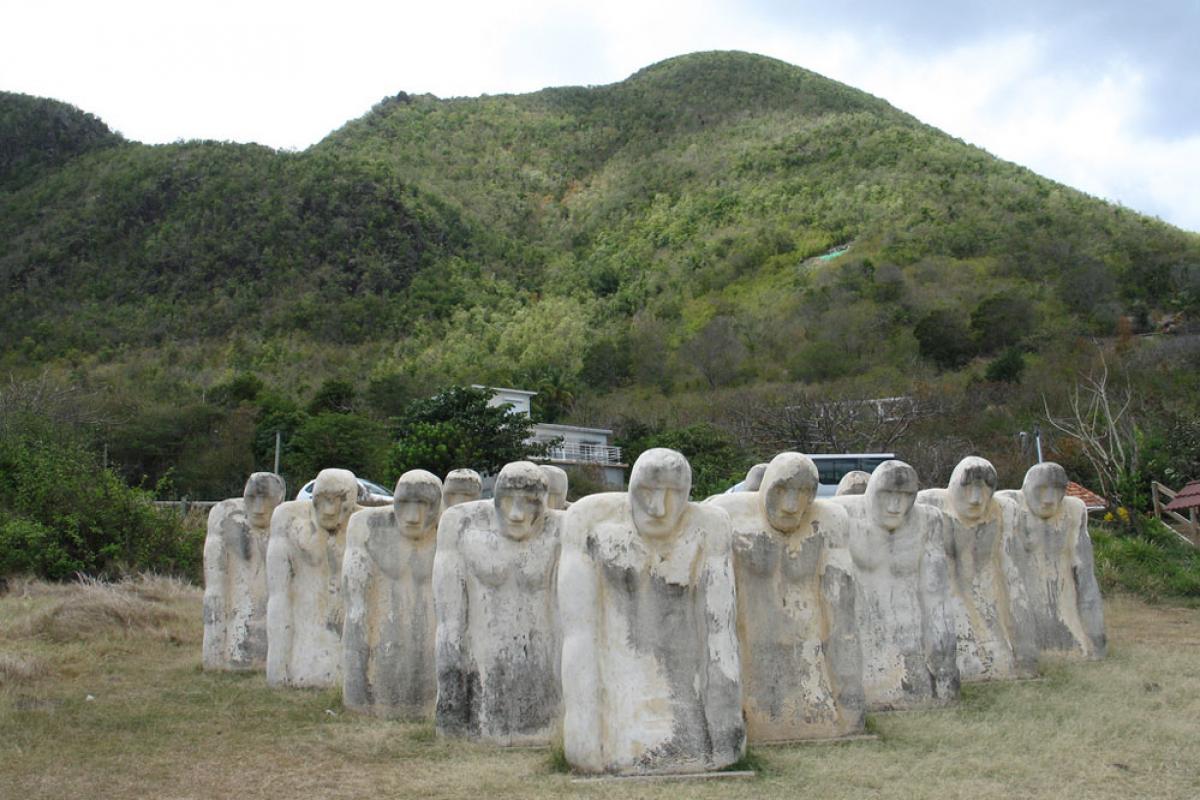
(17, 668)
(158, 726)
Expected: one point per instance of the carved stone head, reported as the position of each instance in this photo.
(754, 478)
(788, 488)
(972, 485)
(890, 494)
(417, 504)
(263, 492)
(659, 485)
(520, 500)
(853, 482)
(1044, 488)
(461, 486)
(335, 494)
(557, 486)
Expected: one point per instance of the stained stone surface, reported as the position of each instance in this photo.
(903, 602)
(983, 577)
(801, 661)
(387, 586)
(1052, 552)
(304, 576)
(557, 486)
(461, 486)
(852, 483)
(498, 641)
(235, 576)
(651, 674)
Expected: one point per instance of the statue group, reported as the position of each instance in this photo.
(645, 632)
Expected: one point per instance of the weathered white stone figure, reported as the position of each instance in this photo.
(754, 478)
(235, 576)
(801, 661)
(304, 576)
(387, 587)
(461, 486)
(854, 482)
(557, 484)
(902, 604)
(982, 575)
(1053, 554)
(651, 677)
(498, 641)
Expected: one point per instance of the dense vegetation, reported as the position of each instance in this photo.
(689, 255)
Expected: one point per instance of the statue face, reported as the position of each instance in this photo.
(786, 502)
(970, 499)
(891, 493)
(416, 514)
(259, 508)
(333, 509)
(520, 512)
(658, 505)
(1044, 497)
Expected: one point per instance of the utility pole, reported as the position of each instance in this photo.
(1037, 432)
(278, 438)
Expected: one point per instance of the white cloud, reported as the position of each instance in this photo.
(285, 74)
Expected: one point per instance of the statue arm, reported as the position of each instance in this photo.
(1014, 602)
(356, 584)
(279, 603)
(938, 622)
(454, 679)
(723, 699)
(578, 593)
(843, 652)
(1087, 591)
(214, 591)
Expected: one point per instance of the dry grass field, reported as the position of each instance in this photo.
(101, 695)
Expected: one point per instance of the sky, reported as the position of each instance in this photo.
(1102, 95)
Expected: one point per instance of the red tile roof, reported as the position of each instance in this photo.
(1091, 500)
(1188, 497)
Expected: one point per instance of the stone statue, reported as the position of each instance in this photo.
(903, 601)
(754, 478)
(461, 486)
(1053, 555)
(304, 576)
(801, 661)
(557, 487)
(977, 526)
(651, 677)
(235, 576)
(853, 482)
(387, 587)
(498, 641)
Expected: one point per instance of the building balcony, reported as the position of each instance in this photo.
(581, 453)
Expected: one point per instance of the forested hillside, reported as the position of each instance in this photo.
(719, 232)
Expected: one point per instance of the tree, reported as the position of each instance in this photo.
(717, 460)
(1099, 418)
(943, 339)
(1008, 366)
(1001, 321)
(717, 351)
(347, 441)
(457, 428)
(333, 395)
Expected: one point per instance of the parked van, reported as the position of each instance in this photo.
(832, 467)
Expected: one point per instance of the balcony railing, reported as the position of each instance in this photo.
(580, 453)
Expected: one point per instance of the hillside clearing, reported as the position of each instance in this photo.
(158, 726)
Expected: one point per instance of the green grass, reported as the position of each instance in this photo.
(1156, 565)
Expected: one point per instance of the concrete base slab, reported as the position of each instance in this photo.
(683, 776)
(862, 737)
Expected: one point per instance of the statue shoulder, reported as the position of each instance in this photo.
(933, 497)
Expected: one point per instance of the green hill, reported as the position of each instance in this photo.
(716, 221)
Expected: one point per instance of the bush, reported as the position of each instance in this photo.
(1156, 564)
(63, 514)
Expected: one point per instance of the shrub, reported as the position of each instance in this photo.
(64, 514)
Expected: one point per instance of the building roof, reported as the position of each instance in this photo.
(553, 427)
(1091, 500)
(1188, 497)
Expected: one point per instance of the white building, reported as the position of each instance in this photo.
(575, 446)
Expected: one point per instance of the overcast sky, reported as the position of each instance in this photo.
(1102, 95)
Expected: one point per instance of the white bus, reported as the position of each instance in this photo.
(832, 467)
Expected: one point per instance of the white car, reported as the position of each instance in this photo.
(369, 493)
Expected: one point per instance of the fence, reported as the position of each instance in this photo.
(1187, 527)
